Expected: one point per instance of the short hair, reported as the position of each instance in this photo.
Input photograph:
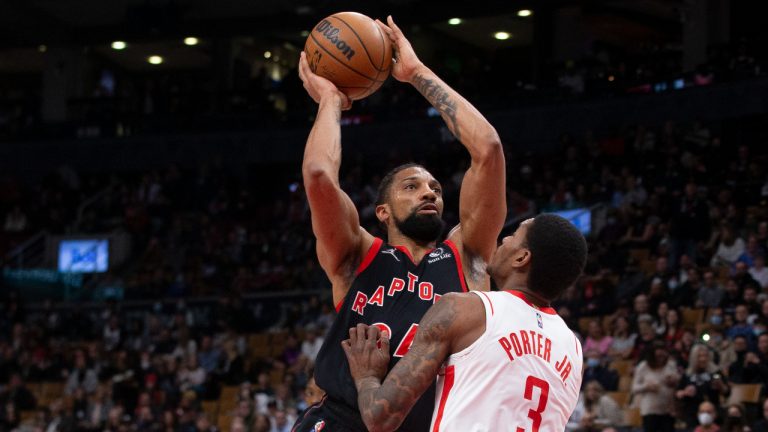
(558, 255)
(382, 194)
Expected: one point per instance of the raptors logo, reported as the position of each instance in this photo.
(319, 426)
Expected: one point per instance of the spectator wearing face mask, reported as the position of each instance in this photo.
(706, 416)
(702, 381)
(735, 420)
(595, 370)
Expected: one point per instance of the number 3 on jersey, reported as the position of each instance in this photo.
(535, 415)
(405, 344)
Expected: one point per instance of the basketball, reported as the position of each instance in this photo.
(351, 51)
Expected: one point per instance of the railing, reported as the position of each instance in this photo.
(85, 205)
(29, 254)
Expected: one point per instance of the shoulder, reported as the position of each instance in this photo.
(454, 312)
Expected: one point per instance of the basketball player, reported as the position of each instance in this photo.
(392, 284)
(505, 360)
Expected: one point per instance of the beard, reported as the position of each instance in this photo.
(422, 228)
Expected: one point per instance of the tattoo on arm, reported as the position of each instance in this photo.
(440, 99)
(384, 406)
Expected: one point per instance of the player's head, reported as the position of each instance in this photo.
(546, 253)
(410, 200)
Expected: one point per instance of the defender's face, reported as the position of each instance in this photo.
(415, 190)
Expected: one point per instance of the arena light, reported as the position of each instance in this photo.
(524, 13)
(155, 59)
(119, 45)
(42, 48)
(454, 21)
(191, 41)
(267, 54)
(304, 33)
(502, 35)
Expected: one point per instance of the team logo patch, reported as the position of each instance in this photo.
(319, 426)
(436, 253)
(391, 251)
(539, 320)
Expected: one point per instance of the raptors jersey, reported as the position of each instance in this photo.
(522, 375)
(393, 293)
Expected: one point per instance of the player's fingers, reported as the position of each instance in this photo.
(361, 331)
(353, 336)
(347, 347)
(387, 31)
(373, 334)
(384, 341)
(395, 29)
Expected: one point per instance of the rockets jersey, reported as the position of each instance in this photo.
(523, 374)
(393, 293)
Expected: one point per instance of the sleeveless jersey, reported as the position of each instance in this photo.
(523, 374)
(392, 292)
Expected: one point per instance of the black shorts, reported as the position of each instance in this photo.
(329, 416)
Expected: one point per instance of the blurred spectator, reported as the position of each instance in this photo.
(761, 425)
(702, 381)
(706, 417)
(711, 292)
(646, 335)
(596, 370)
(623, 341)
(653, 386)
(208, 355)
(729, 249)
(17, 393)
(81, 376)
(746, 369)
(594, 411)
(735, 419)
(759, 272)
(597, 340)
(312, 343)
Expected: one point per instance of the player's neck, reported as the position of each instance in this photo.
(515, 285)
(416, 249)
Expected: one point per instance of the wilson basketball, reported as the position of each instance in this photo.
(351, 51)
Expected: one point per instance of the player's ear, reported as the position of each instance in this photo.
(522, 258)
(383, 213)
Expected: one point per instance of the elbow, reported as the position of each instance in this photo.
(491, 149)
(315, 174)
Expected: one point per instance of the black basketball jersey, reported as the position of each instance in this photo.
(393, 293)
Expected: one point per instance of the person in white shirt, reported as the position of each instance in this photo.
(759, 272)
(505, 360)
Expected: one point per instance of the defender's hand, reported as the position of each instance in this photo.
(366, 359)
(406, 63)
(318, 87)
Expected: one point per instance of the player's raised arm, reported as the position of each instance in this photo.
(449, 326)
(482, 204)
(335, 222)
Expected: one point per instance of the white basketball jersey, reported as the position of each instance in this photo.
(522, 375)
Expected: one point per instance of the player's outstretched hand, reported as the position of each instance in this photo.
(367, 351)
(406, 63)
(319, 87)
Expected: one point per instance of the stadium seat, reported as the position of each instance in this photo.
(623, 367)
(211, 409)
(741, 393)
(625, 383)
(691, 317)
(621, 397)
(632, 417)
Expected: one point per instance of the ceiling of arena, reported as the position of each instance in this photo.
(29, 27)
